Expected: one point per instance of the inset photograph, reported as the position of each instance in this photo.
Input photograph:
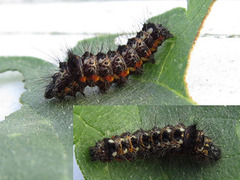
(157, 142)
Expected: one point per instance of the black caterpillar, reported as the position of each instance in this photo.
(168, 141)
(104, 69)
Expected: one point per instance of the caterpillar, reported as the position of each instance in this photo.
(102, 70)
(169, 141)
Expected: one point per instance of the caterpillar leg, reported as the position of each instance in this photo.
(139, 70)
(151, 59)
(104, 86)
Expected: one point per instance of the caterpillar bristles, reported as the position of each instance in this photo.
(102, 70)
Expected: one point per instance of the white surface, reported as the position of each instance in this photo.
(29, 29)
(83, 17)
(9, 95)
(41, 46)
(213, 79)
(213, 74)
(77, 175)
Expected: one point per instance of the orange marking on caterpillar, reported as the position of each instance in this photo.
(124, 73)
(153, 49)
(138, 64)
(75, 84)
(83, 79)
(95, 78)
(130, 142)
(159, 40)
(67, 89)
(109, 78)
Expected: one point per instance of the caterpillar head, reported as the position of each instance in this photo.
(52, 88)
(206, 150)
(200, 146)
(63, 83)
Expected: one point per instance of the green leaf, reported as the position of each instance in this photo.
(36, 141)
(30, 148)
(93, 123)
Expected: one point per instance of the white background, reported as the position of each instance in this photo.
(43, 29)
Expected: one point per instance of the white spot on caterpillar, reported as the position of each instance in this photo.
(180, 141)
(150, 30)
(168, 130)
(114, 154)
(100, 60)
(85, 61)
(111, 141)
(134, 46)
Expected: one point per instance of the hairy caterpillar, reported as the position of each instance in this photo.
(169, 141)
(102, 70)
